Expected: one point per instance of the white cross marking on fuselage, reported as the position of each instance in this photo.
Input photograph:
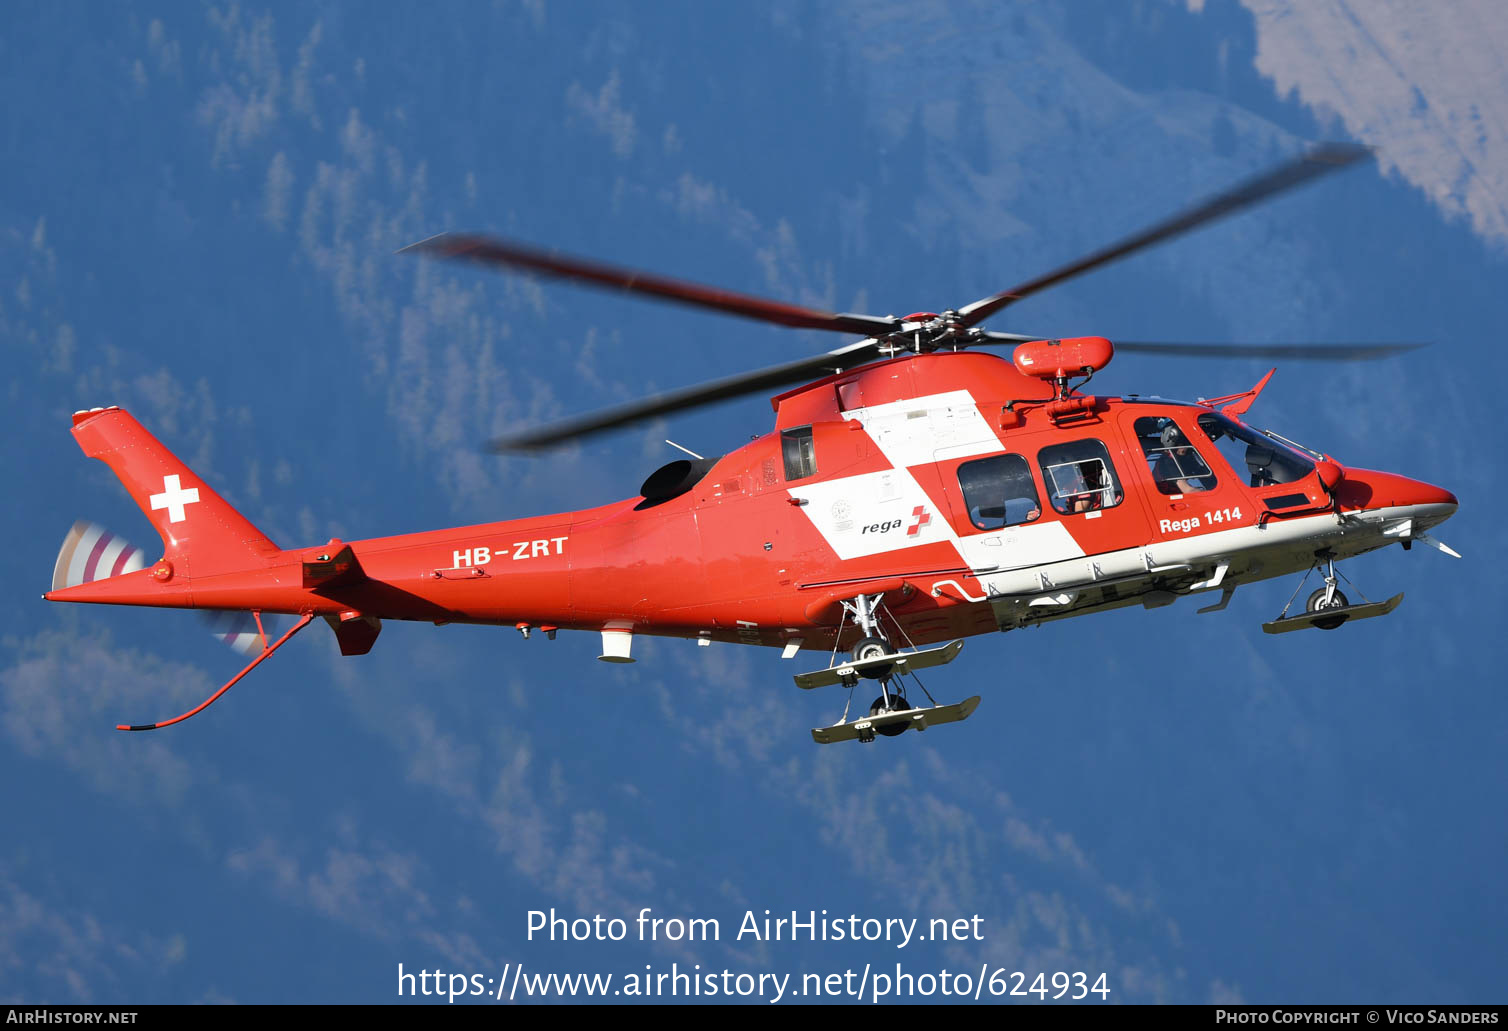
(174, 497)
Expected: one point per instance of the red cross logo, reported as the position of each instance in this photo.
(923, 517)
(174, 497)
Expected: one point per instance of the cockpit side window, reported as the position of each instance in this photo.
(1080, 477)
(998, 492)
(1266, 461)
(1175, 464)
(799, 454)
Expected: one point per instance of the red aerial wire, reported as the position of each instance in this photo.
(266, 651)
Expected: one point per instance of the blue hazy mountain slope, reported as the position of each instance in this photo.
(200, 210)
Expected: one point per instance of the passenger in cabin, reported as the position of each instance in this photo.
(1080, 477)
(1093, 492)
(998, 492)
(1020, 495)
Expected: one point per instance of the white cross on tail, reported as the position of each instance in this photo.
(174, 498)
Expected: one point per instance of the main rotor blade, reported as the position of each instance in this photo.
(1293, 352)
(799, 371)
(493, 251)
(1327, 157)
(1305, 352)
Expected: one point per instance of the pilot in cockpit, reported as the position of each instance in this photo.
(1176, 466)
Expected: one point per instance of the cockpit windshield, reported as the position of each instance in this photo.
(1267, 459)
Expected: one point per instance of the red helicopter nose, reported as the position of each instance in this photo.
(1367, 488)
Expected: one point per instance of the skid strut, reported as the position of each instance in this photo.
(865, 610)
(1330, 579)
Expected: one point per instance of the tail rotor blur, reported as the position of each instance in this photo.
(90, 552)
(245, 632)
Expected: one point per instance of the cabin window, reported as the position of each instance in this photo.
(1266, 460)
(999, 492)
(1176, 466)
(1080, 477)
(800, 456)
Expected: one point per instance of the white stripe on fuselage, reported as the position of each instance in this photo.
(873, 513)
(1254, 553)
(913, 431)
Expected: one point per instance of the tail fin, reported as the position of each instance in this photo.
(201, 534)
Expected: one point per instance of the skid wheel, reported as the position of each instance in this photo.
(897, 704)
(872, 648)
(1316, 603)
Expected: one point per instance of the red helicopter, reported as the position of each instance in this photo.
(911, 493)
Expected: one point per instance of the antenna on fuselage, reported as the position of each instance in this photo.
(678, 447)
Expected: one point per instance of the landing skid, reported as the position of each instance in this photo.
(1328, 608)
(849, 673)
(1346, 613)
(865, 728)
(875, 657)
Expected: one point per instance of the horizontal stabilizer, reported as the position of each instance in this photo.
(333, 565)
